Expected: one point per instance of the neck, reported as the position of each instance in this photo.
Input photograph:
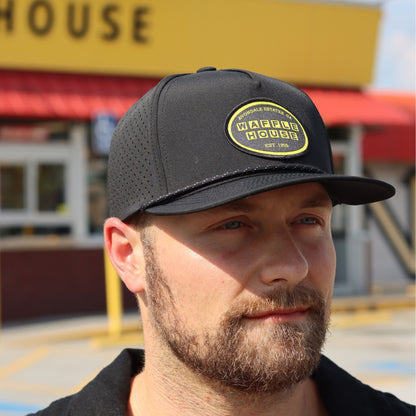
(171, 389)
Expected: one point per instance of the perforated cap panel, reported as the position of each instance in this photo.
(132, 163)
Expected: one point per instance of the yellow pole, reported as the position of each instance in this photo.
(0, 293)
(114, 298)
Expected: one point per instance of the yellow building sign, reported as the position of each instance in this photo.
(300, 41)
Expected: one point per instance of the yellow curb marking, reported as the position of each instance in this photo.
(122, 340)
(24, 362)
(28, 387)
(72, 335)
(360, 318)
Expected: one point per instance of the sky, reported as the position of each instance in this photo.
(395, 56)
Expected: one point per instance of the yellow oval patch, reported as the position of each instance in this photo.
(266, 128)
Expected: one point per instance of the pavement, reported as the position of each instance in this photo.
(372, 337)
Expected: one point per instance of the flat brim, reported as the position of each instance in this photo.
(342, 189)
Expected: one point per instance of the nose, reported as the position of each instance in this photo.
(281, 260)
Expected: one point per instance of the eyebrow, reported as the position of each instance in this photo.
(321, 200)
(240, 206)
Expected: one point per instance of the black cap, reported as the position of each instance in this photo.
(197, 141)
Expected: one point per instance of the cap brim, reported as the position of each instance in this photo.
(349, 190)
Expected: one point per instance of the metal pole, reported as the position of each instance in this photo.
(358, 249)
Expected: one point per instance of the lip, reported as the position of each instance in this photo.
(280, 315)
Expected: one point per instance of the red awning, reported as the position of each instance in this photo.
(344, 107)
(393, 143)
(37, 95)
(67, 96)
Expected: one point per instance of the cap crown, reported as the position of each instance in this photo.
(176, 139)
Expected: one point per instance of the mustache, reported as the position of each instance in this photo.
(300, 296)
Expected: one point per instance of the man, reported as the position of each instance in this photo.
(221, 189)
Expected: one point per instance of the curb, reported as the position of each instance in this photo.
(373, 302)
(99, 333)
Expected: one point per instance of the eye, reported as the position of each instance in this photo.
(308, 221)
(232, 225)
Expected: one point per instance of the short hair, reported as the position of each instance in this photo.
(139, 220)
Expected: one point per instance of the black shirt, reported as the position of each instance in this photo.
(108, 393)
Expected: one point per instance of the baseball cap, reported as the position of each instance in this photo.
(200, 140)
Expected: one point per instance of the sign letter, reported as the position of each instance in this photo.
(7, 14)
(115, 29)
(82, 28)
(139, 24)
(43, 27)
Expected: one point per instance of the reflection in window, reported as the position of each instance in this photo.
(12, 179)
(51, 194)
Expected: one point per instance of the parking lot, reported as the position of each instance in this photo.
(42, 361)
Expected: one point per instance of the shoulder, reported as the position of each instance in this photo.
(345, 395)
(110, 389)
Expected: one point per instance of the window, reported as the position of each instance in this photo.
(51, 187)
(12, 189)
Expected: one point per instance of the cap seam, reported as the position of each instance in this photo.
(155, 127)
(161, 129)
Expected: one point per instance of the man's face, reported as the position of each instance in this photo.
(241, 293)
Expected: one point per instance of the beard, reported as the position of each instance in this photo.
(246, 358)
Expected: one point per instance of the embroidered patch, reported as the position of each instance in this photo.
(266, 128)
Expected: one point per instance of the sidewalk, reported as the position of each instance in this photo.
(372, 337)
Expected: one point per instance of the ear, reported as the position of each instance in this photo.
(125, 251)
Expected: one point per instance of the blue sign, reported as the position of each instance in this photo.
(103, 125)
